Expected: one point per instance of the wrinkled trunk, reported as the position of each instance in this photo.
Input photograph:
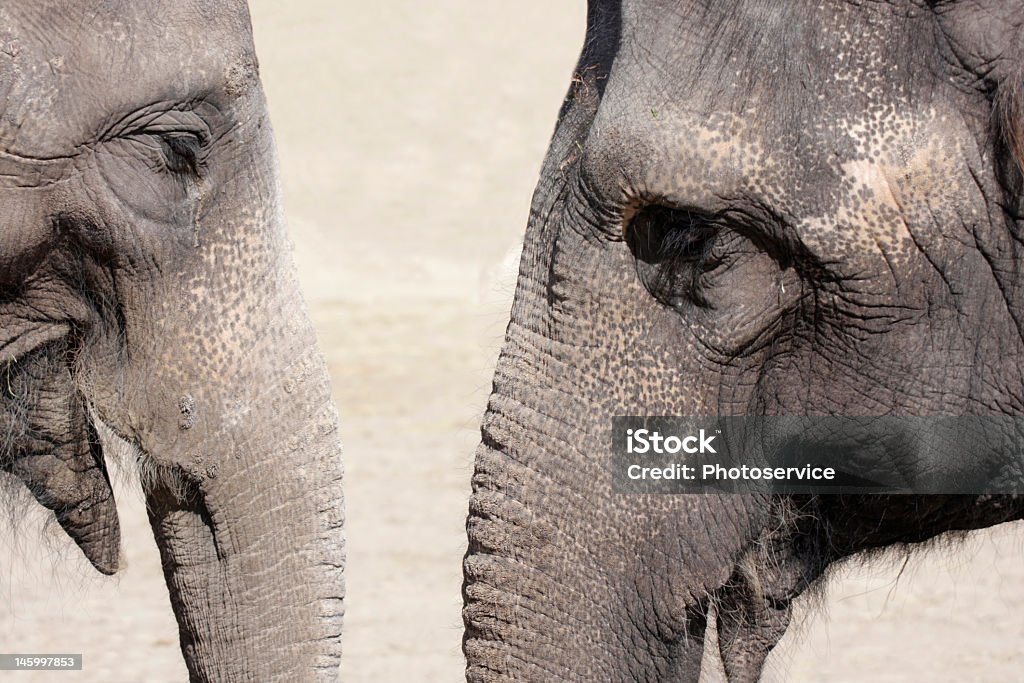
(565, 580)
(246, 506)
(245, 499)
(250, 538)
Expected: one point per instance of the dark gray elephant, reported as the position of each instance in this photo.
(147, 285)
(770, 208)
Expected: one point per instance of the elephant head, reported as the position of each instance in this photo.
(747, 208)
(147, 289)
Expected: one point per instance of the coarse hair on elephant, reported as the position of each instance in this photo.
(747, 208)
(147, 290)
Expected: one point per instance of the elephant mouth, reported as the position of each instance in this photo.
(19, 338)
(53, 448)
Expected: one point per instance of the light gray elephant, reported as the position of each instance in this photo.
(146, 284)
(747, 208)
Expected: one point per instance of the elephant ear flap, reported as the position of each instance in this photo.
(56, 453)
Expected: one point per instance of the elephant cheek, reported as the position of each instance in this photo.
(56, 454)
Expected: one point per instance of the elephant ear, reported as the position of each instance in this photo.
(53, 448)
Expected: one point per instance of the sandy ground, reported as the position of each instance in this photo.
(410, 139)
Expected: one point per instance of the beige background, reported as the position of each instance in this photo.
(411, 135)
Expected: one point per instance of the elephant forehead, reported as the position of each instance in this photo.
(68, 70)
(744, 80)
(840, 117)
(692, 159)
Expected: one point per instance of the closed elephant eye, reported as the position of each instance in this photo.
(181, 152)
(673, 248)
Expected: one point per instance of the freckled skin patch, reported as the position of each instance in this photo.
(864, 265)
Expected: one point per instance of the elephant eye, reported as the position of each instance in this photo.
(672, 248)
(181, 152)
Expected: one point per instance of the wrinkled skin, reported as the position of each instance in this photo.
(842, 180)
(147, 287)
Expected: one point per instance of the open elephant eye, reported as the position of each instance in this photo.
(181, 152)
(673, 248)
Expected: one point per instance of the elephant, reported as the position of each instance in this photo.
(148, 295)
(747, 208)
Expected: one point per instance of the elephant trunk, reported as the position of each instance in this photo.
(549, 590)
(537, 531)
(563, 578)
(249, 527)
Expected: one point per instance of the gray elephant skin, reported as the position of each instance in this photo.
(747, 208)
(147, 290)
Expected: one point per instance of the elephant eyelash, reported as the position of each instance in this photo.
(181, 152)
(672, 248)
(661, 234)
